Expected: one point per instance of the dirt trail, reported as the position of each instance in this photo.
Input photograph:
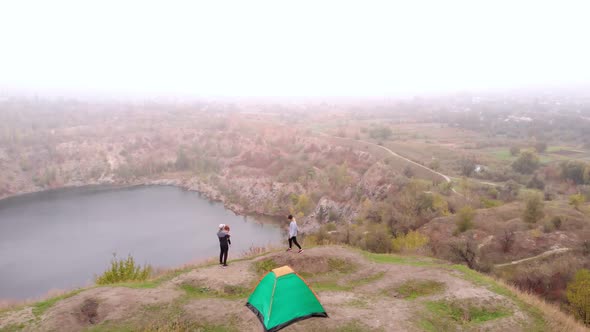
(395, 154)
(545, 254)
(357, 291)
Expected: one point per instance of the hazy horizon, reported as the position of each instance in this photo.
(304, 49)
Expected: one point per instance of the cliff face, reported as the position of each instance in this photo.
(252, 166)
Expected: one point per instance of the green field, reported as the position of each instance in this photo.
(547, 157)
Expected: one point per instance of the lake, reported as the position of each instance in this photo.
(61, 239)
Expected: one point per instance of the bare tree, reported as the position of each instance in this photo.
(507, 240)
(465, 251)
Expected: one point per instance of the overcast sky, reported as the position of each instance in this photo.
(291, 48)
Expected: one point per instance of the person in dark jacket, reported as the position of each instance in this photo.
(224, 243)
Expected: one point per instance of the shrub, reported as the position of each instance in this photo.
(578, 295)
(467, 166)
(548, 227)
(536, 183)
(533, 210)
(464, 219)
(573, 170)
(526, 163)
(377, 240)
(122, 270)
(381, 133)
(464, 252)
(507, 240)
(265, 265)
(514, 150)
(490, 203)
(577, 200)
(409, 242)
(557, 221)
(540, 147)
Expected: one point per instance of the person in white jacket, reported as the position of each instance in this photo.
(293, 234)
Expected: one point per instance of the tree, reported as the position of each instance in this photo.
(533, 210)
(381, 133)
(573, 171)
(514, 150)
(183, 163)
(578, 295)
(557, 221)
(408, 172)
(540, 147)
(464, 219)
(434, 164)
(303, 204)
(467, 166)
(507, 240)
(526, 163)
(466, 252)
(510, 190)
(536, 183)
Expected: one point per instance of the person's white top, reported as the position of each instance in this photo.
(293, 228)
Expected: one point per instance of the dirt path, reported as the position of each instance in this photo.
(545, 254)
(447, 178)
(395, 154)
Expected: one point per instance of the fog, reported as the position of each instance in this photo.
(302, 48)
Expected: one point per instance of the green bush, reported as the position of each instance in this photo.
(557, 221)
(577, 200)
(578, 295)
(377, 239)
(122, 270)
(409, 242)
(533, 210)
(464, 219)
(265, 265)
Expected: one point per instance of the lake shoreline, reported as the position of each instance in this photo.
(203, 189)
(87, 194)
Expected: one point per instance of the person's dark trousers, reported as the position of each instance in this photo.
(293, 240)
(223, 254)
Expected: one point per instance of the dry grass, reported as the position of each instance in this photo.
(555, 319)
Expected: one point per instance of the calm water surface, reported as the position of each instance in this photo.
(62, 239)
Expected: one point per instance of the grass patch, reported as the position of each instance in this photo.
(453, 313)
(177, 324)
(13, 328)
(329, 286)
(354, 326)
(538, 324)
(413, 289)
(39, 308)
(366, 280)
(153, 283)
(357, 303)
(397, 259)
(122, 270)
(229, 292)
(264, 266)
(341, 265)
(330, 283)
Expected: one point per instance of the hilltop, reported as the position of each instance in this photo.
(360, 291)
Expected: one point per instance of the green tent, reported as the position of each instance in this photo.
(283, 298)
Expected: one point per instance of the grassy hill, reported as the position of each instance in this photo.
(359, 290)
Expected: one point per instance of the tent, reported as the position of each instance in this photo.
(283, 298)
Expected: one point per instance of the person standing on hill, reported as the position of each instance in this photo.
(224, 243)
(293, 234)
